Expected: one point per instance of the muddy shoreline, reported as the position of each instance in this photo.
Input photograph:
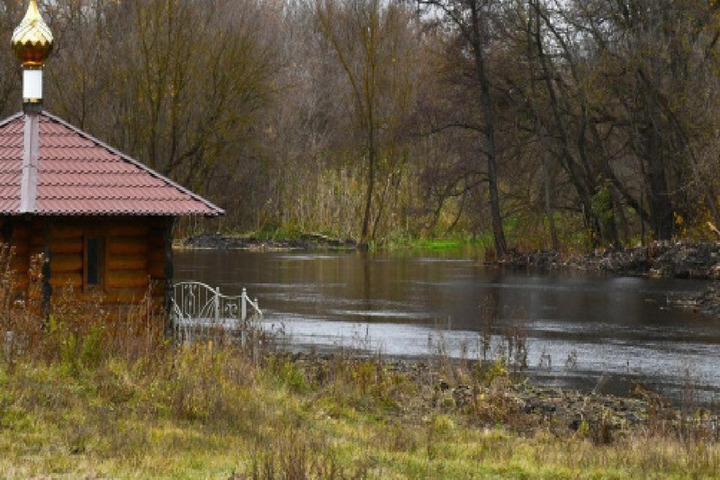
(305, 242)
(449, 386)
(660, 259)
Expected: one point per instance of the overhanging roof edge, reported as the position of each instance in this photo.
(215, 210)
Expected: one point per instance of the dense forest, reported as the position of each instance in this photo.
(565, 124)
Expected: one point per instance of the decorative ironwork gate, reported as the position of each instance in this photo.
(198, 308)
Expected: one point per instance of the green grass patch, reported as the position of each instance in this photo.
(439, 244)
(459, 243)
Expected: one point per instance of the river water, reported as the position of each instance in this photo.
(607, 334)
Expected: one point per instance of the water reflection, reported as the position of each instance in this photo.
(626, 328)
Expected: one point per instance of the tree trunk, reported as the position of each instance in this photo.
(364, 234)
(489, 134)
(548, 206)
(660, 205)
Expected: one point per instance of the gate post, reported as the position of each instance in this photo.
(244, 304)
(217, 306)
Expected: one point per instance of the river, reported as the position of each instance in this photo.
(600, 333)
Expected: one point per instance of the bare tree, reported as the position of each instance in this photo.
(471, 21)
(180, 89)
(369, 41)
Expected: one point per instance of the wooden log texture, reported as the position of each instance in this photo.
(20, 263)
(66, 262)
(61, 280)
(127, 279)
(21, 231)
(20, 240)
(157, 255)
(156, 263)
(127, 246)
(66, 245)
(66, 231)
(126, 262)
(134, 256)
(156, 270)
(37, 239)
(126, 230)
(156, 239)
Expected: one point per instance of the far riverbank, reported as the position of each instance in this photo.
(659, 259)
(305, 242)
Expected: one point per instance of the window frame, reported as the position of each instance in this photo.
(101, 260)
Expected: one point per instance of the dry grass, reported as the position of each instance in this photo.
(208, 412)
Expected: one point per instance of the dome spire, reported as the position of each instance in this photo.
(32, 42)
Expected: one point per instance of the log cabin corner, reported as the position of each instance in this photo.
(101, 220)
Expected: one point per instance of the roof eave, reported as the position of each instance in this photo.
(215, 210)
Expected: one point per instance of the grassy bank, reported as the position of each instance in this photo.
(117, 400)
(98, 392)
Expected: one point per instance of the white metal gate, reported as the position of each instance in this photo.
(198, 308)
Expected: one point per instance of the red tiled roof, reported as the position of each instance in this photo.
(80, 175)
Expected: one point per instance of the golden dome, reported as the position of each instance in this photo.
(32, 40)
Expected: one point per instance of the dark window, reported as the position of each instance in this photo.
(94, 261)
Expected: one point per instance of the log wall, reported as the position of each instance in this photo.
(133, 252)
